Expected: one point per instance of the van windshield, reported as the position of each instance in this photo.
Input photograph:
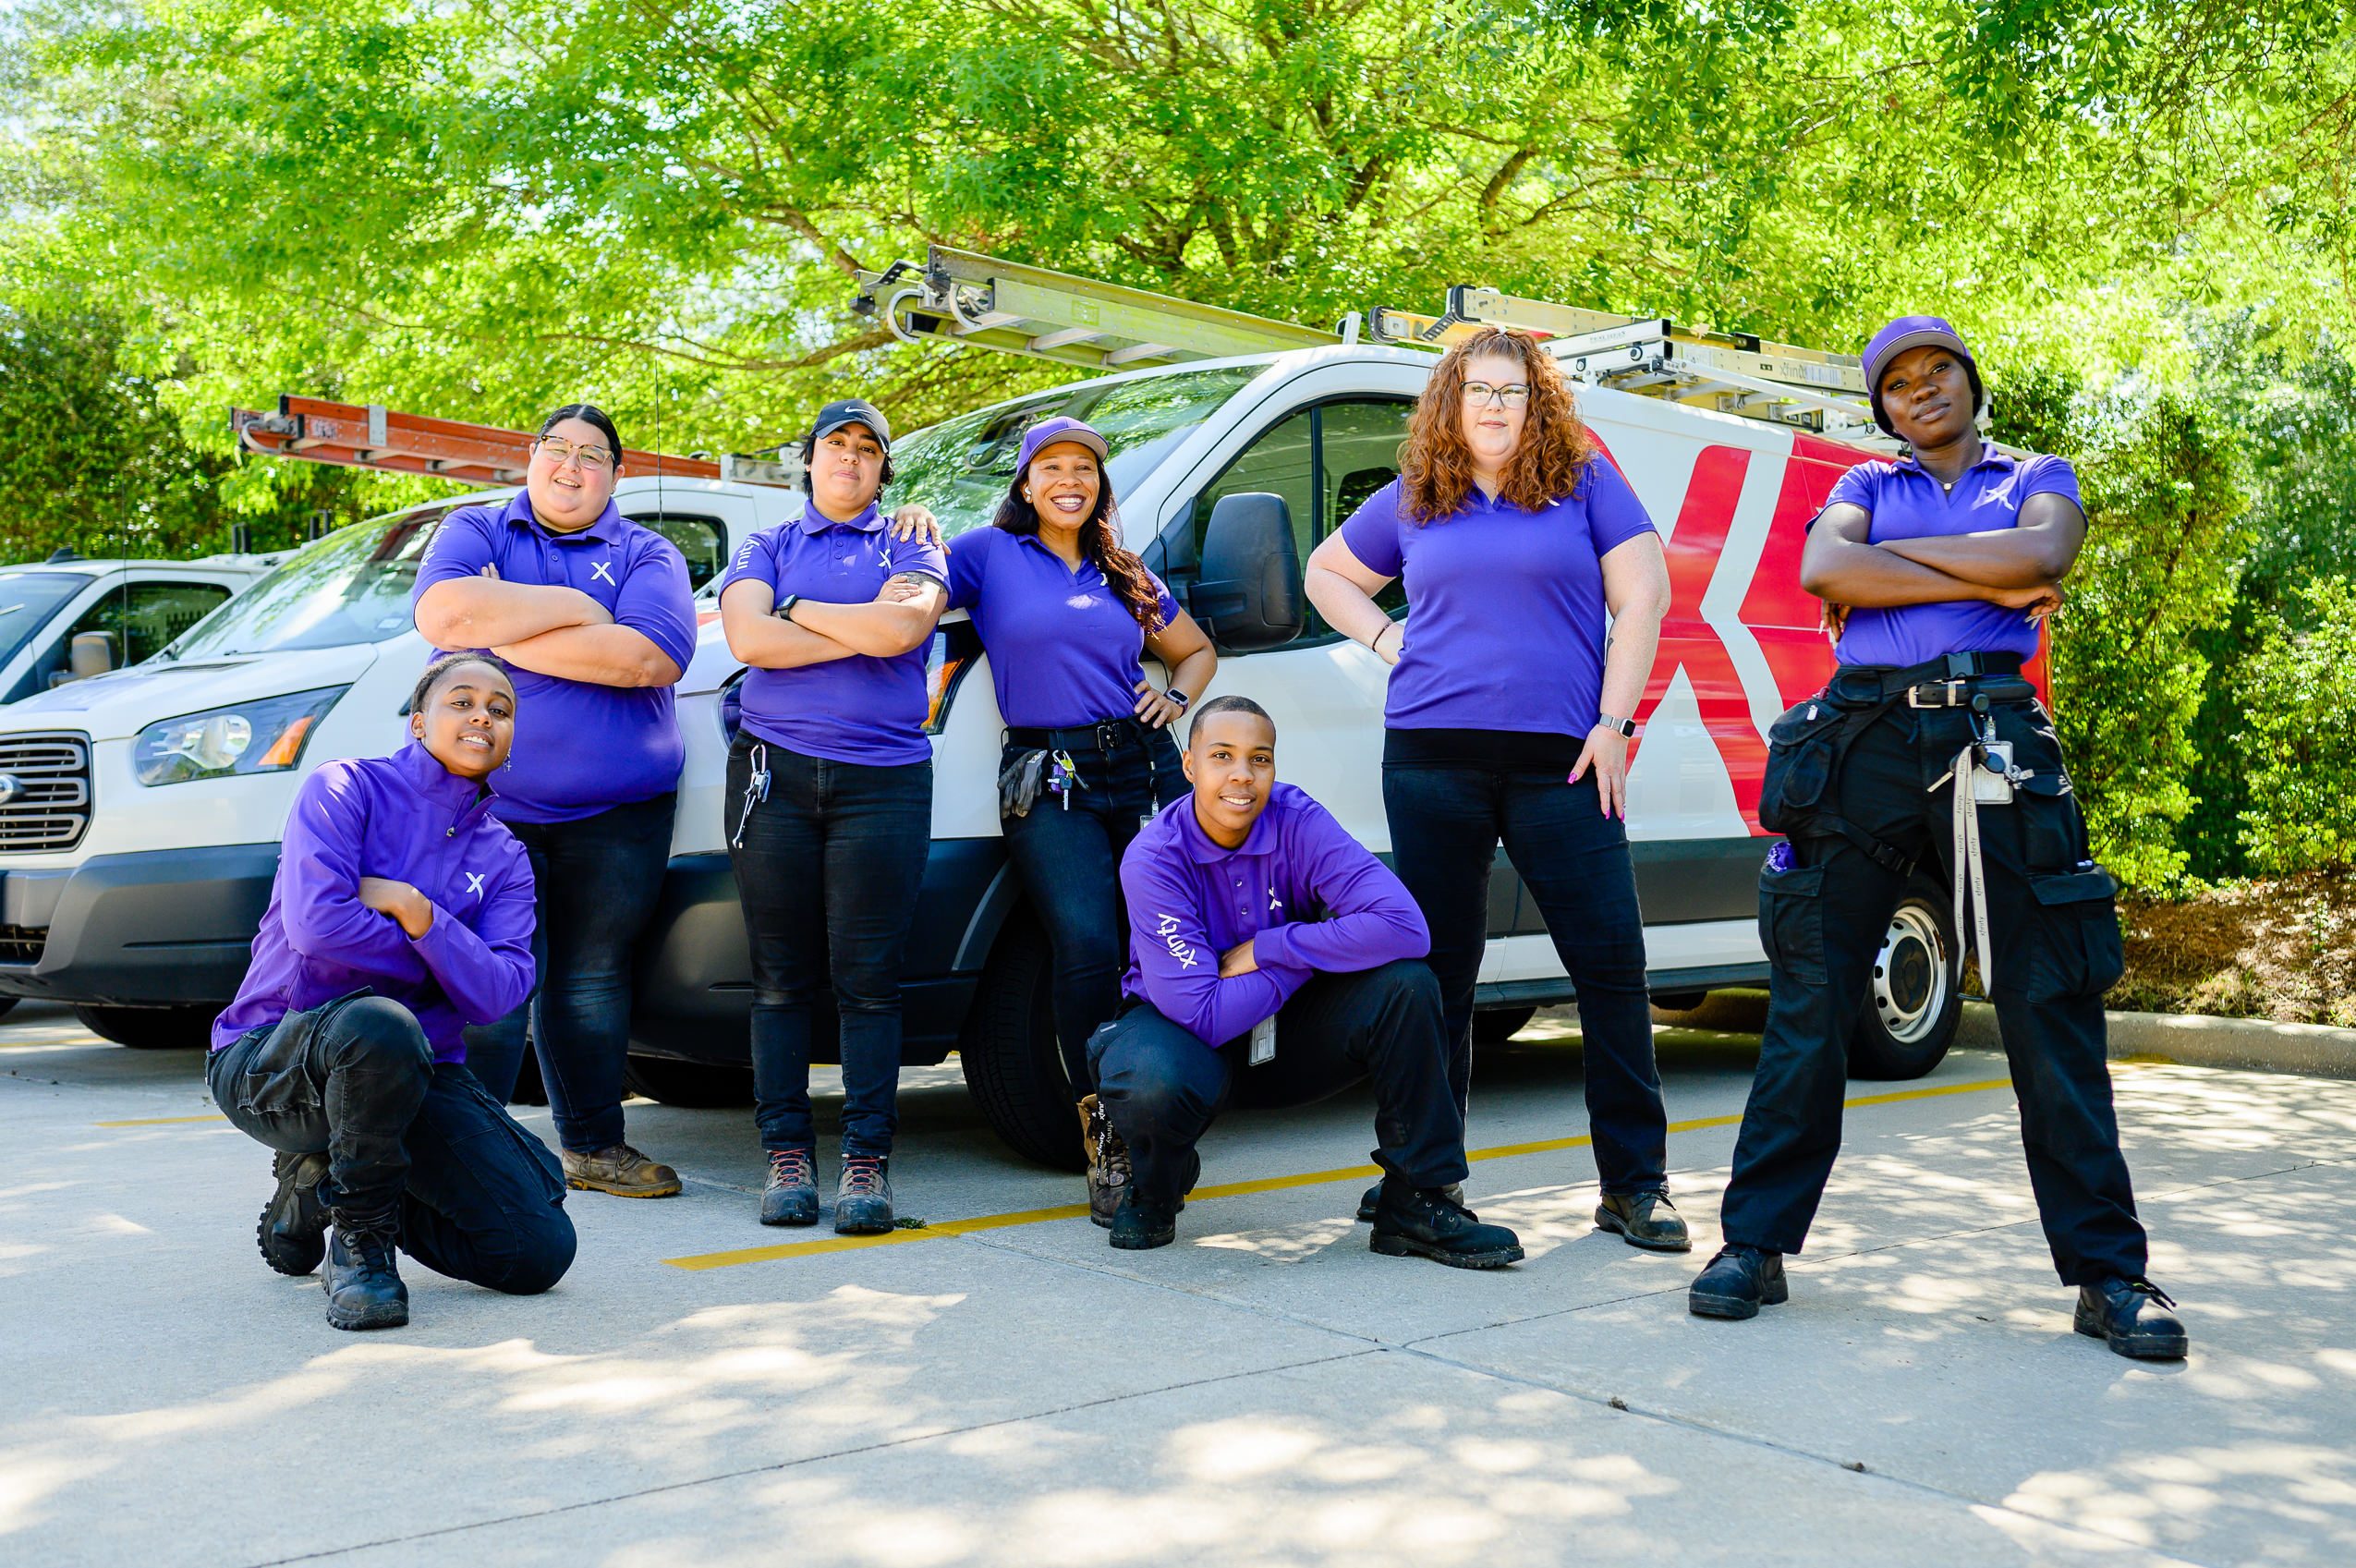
(961, 468)
(351, 587)
(27, 600)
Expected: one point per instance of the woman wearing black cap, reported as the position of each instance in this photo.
(830, 789)
(1064, 613)
(1934, 570)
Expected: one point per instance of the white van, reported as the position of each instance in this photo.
(194, 758)
(118, 612)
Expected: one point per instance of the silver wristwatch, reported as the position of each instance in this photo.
(1627, 727)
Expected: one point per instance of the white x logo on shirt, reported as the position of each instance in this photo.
(598, 569)
(474, 882)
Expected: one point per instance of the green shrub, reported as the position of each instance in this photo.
(2301, 744)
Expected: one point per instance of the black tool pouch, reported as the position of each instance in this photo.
(1804, 755)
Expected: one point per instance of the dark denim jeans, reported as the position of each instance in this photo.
(1162, 1087)
(597, 882)
(1069, 859)
(2056, 931)
(413, 1146)
(1445, 825)
(828, 867)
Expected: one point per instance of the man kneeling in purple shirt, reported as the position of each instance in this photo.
(1273, 961)
(402, 911)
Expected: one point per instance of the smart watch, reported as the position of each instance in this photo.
(785, 611)
(1626, 728)
(1180, 697)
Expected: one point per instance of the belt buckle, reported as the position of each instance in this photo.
(1950, 691)
(1108, 734)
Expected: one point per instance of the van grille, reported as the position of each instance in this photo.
(45, 780)
(22, 944)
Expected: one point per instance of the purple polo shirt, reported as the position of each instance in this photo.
(862, 708)
(580, 747)
(1505, 627)
(1907, 502)
(1064, 648)
(408, 818)
(1309, 897)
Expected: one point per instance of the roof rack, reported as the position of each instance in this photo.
(959, 297)
(355, 435)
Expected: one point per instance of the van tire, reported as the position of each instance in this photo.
(1914, 1003)
(150, 1028)
(7, 1004)
(694, 1086)
(1009, 1053)
(1495, 1025)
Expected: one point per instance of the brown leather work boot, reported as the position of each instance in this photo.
(622, 1171)
(1107, 1162)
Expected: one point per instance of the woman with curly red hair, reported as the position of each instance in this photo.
(1066, 613)
(1509, 714)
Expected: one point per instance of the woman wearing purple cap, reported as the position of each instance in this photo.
(1934, 570)
(829, 788)
(1066, 612)
(1508, 714)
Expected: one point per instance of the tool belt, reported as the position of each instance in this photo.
(1807, 747)
(1042, 760)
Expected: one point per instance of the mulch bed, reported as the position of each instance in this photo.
(2281, 948)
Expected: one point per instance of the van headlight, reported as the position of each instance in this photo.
(266, 735)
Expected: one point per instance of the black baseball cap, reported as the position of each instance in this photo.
(852, 411)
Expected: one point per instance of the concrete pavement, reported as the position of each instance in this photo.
(1265, 1392)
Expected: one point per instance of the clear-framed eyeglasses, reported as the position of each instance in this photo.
(1513, 394)
(559, 451)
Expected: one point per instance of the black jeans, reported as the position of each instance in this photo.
(1069, 859)
(598, 881)
(412, 1146)
(2056, 951)
(1445, 825)
(1162, 1088)
(828, 867)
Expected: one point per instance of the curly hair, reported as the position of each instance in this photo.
(1099, 546)
(1435, 463)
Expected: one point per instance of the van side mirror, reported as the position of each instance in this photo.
(1249, 597)
(93, 654)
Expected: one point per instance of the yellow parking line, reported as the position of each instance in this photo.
(161, 1120)
(1235, 1189)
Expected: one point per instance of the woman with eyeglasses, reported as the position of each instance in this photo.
(1509, 714)
(592, 611)
(1066, 615)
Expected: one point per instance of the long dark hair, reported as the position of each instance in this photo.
(1099, 545)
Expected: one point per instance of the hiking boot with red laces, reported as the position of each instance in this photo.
(1107, 1162)
(862, 1196)
(790, 1197)
(620, 1170)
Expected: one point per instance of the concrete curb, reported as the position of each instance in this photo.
(2198, 1040)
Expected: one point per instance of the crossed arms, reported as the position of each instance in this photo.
(2020, 568)
(546, 629)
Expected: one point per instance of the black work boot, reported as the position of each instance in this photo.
(293, 1229)
(1108, 1162)
(1370, 1201)
(1426, 1223)
(1737, 1283)
(2132, 1316)
(1643, 1219)
(1142, 1224)
(364, 1288)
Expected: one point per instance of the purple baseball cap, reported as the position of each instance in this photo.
(1047, 433)
(1917, 332)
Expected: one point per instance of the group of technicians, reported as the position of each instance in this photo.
(435, 909)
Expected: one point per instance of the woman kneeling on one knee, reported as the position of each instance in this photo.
(402, 911)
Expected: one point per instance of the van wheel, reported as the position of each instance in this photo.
(696, 1085)
(1495, 1025)
(1912, 1003)
(1009, 1054)
(150, 1028)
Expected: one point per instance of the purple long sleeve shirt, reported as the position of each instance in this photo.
(1310, 898)
(406, 817)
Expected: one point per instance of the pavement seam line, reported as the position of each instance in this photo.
(853, 1452)
(730, 1259)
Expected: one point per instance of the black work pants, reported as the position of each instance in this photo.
(1068, 853)
(1162, 1087)
(828, 867)
(1446, 821)
(2056, 933)
(414, 1147)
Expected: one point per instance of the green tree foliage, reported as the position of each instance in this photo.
(2301, 734)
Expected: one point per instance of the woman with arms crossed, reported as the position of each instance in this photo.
(1064, 613)
(1507, 719)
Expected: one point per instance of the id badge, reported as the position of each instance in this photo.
(1263, 1042)
(1992, 782)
